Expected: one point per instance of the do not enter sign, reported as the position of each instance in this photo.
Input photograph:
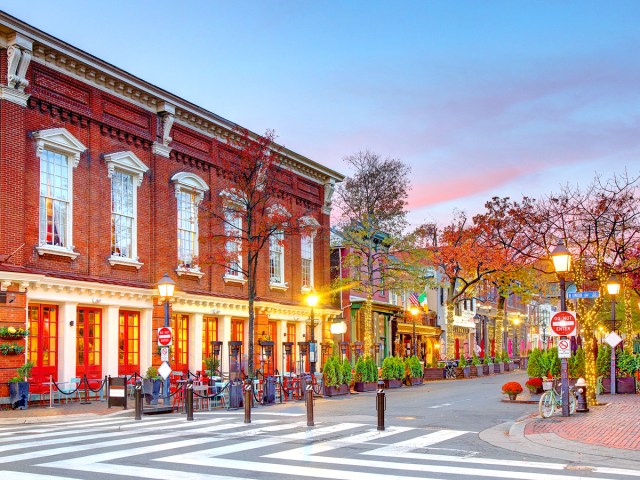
(165, 336)
(564, 324)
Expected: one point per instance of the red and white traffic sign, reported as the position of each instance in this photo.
(564, 324)
(165, 336)
(564, 348)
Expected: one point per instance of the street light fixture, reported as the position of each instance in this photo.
(613, 287)
(562, 263)
(312, 301)
(516, 324)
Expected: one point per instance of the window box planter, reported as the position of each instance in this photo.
(433, 373)
(336, 390)
(365, 386)
(392, 383)
(625, 385)
(19, 395)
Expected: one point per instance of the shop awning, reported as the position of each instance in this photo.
(420, 329)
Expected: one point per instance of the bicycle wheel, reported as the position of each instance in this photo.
(573, 402)
(547, 405)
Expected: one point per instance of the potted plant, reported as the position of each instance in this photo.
(627, 364)
(534, 385)
(151, 384)
(513, 389)
(212, 363)
(11, 349)
(603, 367)
(19, 387)
(366, 375)
(392, 372)
(414, 371)
(576, 366)
(464, 367)
(534, 367)
(13, 332)
(347, 375)
(333, 377)
(498, 365)
(506, 361)
(434, 372)
(487, 365)
(476, 369)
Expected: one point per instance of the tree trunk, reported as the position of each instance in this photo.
(450, 338)
(368, 324)
(498, 331)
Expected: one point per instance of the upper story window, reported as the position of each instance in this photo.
(306, 248)
(126, 172)
(276, 260)
(233, 231)
(189, 189)
(59, 154)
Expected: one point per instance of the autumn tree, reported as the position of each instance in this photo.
(252, 209)
(371, 206)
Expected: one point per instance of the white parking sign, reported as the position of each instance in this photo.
(564, 348)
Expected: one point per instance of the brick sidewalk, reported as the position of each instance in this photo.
(616, 424)
(64, 409)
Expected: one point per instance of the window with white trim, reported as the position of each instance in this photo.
(306, 249)
(126, 172)
(276, 258)
(233, 231)
(189, 190)
(59, 154)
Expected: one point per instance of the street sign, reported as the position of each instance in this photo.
(583, 295)
(564, 324)
(165, 336)
(613, 339)
(564, 348)
(164, 370)
(164, 354)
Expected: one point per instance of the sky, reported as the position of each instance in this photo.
(480, 98)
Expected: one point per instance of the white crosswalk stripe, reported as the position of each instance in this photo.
(224, 447)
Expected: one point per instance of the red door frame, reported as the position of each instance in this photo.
(180, 348)
(128, 357)
(43, 341)
(91, 362)
(209, 334)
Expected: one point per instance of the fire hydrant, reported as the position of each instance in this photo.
(581, 394)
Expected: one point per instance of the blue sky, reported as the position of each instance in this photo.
(481, 98)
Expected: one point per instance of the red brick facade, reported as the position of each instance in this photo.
(109, 111)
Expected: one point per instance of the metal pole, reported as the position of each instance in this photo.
(312, 359)
(190, 400)
(86, 391)
(51, 391)
(308, 400)
(613, 349)
(564, 368)
(381, 404)
(414, 335)
(166, 384)
(247, 400)
(138, 399)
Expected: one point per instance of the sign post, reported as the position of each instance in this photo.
(564, 325)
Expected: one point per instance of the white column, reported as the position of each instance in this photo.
(281, 330)
(224, 335)
(110, 334)
(67, 342)
(146, 346)
(195, 342)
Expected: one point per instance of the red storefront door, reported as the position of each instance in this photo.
(89, 342)
(43, 341)
(129, 343)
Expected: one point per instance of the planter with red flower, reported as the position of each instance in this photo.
(534, 385)
(513, 389)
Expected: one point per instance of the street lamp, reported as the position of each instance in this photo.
(516, 324)
(544, 323)
(166, 287)
(562, 263)
(312, 301)
(414, 314)
(613, 287)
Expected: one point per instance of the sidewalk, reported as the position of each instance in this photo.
(607, 434)
(60, 412)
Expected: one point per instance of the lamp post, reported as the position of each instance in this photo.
(166, 287)
(562, 264)
(312, 301)
(544, 323)
(613, 287)
(414, 314)
(516, 325)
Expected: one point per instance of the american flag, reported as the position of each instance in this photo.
(413, 298)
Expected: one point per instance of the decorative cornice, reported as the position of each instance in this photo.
(14, 96)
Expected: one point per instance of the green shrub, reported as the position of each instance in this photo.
(360, 370)
(487, 359)
(371, 369)
(346, 371)
(576, 364)
(330, 372)
(475, 360)
(626, 362)
(505, 356)
(603, 363)
(413, 367)
(462, 362)
(535, 369)
(388, 369)
(152, 373)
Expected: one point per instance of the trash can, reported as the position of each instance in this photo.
(581, 395)
(269, 394)
(235, 394)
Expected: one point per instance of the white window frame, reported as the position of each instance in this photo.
(234, 205)
(276, 252)
(311, 225)
(307, 246)
(59, 141)
(129, 164)
(191, 184)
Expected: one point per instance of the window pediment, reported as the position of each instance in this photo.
(190, 181)
(128, 162)
(59, 140)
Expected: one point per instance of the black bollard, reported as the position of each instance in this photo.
(308, 400)
(190, 400)
(247, 400)
(138, 399)
(381, 404)
(86, 391)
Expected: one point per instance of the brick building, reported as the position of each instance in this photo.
(98, 173)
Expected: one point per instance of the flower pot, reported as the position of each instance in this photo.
(466, 371)
(476, 370)
(513, 396)
(413, 381)
(336, 390)
(392, 383)
(365, 386)
(19, 395)
(433, 374)
(626, 385)
(151, 389)
(487, 369)
(498, 367)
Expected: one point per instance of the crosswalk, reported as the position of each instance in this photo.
(224, 447)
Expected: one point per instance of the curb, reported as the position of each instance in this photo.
(60, 418)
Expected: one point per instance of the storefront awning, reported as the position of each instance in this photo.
(420, 329)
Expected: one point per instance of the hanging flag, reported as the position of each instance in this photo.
(413, 298)
(423, 301)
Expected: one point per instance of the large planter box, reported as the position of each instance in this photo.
(434, 373)
(466, 371)
(413, 381)
(498, 367)
(19, 395)
(336, 390)
(392, 383)
(487, 369)
(626, 385)
(151, 390)
(365, 386)
(476, 371)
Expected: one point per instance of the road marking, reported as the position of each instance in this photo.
(400, 448)
(440, 406)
